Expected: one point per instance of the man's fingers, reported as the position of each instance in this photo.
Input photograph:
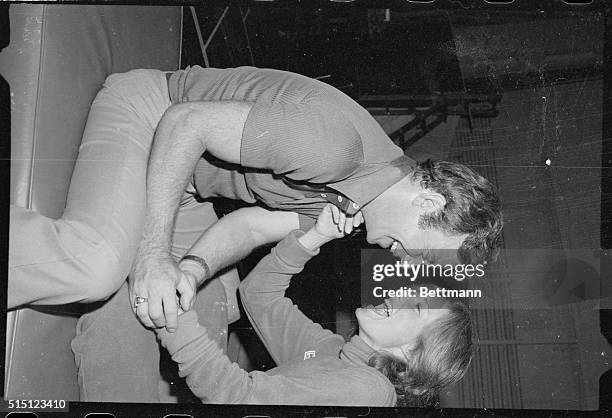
(156, 312)
(170, 312)
(142, 312)
(142, 309)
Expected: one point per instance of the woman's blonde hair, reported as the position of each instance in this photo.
(440, 357)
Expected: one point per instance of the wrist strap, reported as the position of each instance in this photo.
(199, 261)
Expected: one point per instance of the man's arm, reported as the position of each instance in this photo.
(184, 133)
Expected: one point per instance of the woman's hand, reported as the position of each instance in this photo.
(333, 223)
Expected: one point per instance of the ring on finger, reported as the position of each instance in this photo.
(139, 300)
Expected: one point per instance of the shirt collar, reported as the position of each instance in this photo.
(369, 181)
(357, 351)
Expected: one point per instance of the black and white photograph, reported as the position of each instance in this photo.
(328, 207)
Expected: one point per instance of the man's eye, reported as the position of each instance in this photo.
(418, 308)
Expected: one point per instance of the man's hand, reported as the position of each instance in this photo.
(158, 279)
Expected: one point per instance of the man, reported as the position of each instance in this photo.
(282, 142)
(298, 131)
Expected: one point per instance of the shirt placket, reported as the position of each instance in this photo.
(343, 203)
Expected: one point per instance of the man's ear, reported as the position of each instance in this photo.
(429, 201)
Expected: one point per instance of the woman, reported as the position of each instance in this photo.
(406, 348)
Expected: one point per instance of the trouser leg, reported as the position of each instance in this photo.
(117, 358)
(87, 253)
(101, 377)
(57, 261)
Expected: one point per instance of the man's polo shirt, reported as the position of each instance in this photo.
(304, 143)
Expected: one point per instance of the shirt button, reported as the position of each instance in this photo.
(339, 198)
(355, 205)
(323, 195)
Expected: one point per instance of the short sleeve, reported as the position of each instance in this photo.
(310, 141)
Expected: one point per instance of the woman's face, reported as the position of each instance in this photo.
(398, 322)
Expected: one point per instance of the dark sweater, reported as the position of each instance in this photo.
(315, 366)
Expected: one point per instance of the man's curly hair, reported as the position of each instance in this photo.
(472, 208)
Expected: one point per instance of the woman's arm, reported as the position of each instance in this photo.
(235, 235)
(286, 332)
(213, 378)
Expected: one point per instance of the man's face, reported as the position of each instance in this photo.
(429, 246)
(393, 222)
